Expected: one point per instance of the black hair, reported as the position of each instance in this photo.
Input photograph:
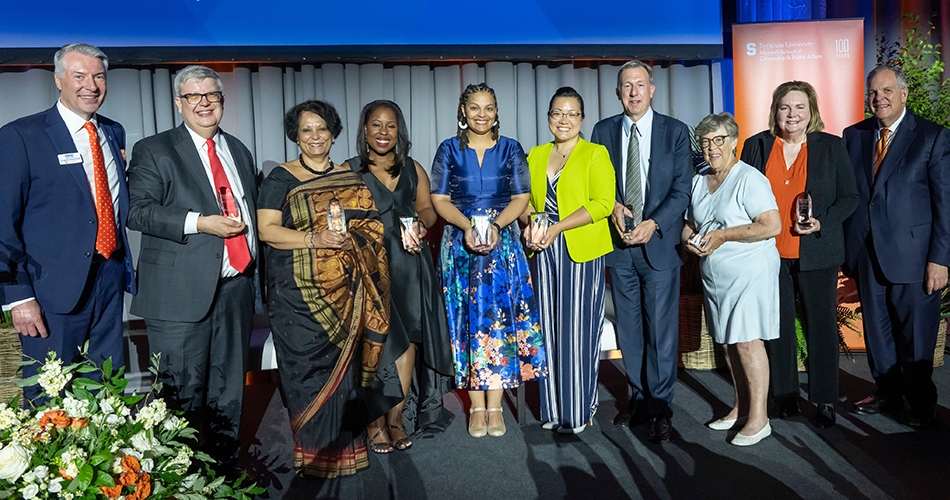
(400, 151)
(461, 134)
(322, 109)
(566, 92)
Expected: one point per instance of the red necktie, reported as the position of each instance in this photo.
(105, 234)
(238, 254)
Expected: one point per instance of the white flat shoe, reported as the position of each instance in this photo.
(550, 425)
(722, 425)
(569, 430)
(741, 440)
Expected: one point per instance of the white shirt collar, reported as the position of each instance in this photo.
(74, 122)
(645, 123)
(200, 141)
(893, 127)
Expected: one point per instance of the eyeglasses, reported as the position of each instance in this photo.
(212, 97)
(557, 114)
(718, 140)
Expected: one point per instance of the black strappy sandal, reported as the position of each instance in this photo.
(404, 443)
(381, 448)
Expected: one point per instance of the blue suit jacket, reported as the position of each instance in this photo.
(48, 219)
(907, 208)
(670, 181)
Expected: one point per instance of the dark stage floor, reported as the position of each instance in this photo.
(864, 457)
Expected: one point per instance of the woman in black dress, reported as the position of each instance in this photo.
(400, 189)
(326, 295)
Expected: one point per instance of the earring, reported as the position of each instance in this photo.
(495, 124)
(463, 126)
(396, 149)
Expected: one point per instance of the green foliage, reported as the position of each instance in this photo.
(90, 436)
(929, 93)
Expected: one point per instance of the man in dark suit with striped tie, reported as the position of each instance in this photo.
(897, 244)
(651, 156)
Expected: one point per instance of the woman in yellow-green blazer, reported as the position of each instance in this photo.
(572, 181)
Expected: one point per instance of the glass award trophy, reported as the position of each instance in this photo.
(541, 224)
(629, 223)
(699, 239)
(481, 223)
(227, 204)
(409, 234)
(336, 220)
(803, 209)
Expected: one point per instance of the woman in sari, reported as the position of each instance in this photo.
(327, 296)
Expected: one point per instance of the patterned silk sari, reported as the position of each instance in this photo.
(329, 314)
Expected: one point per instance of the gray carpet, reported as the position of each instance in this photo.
(862, 457)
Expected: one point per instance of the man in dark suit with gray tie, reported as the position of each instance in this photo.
(193, 196)
(897, 244)
(651, 155)
(64, 260)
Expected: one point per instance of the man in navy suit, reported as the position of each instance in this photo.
(64, 259)
(645, 266)
(897, 244)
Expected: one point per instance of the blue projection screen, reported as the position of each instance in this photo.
(413, 29)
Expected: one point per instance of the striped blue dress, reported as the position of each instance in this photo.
(571, 306)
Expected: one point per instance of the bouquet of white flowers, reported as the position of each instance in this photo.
(92, 442)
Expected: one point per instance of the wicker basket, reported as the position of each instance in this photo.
(709, 356)
(10, 351)
(941, 344)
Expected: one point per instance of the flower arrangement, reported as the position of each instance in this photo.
(92, 442)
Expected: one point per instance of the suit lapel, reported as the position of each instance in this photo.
(659, 131)
(63, 143)
(191, 162)
(616, 141)
(898, 149)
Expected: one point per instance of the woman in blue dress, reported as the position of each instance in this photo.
(492, 311)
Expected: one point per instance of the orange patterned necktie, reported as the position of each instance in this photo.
(239, 256)
(105, 235)
(880, 150)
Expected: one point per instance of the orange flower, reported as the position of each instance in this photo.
(111, 491)
(128, 478)
(79, 423)
(62, 422)
(130, 463)
(144, 485)
(50, 415)
(62, 472)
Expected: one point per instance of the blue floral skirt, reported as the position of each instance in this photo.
(492, 313)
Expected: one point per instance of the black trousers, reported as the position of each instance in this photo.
(816, 291)
(204, 364)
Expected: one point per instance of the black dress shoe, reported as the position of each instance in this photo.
(870, 405)
(638, 416)
(922, 419)
(825, 416)
(660, 429)
(787, 407)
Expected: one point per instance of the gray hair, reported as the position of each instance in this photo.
(633, 65)
(196, 72)
(898, 72)
(85, 49)
(712, 123)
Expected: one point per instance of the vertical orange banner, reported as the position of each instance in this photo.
(827, 54)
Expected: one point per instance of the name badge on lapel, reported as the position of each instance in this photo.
(70, 158)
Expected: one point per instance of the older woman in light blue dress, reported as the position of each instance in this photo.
(731, 224)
